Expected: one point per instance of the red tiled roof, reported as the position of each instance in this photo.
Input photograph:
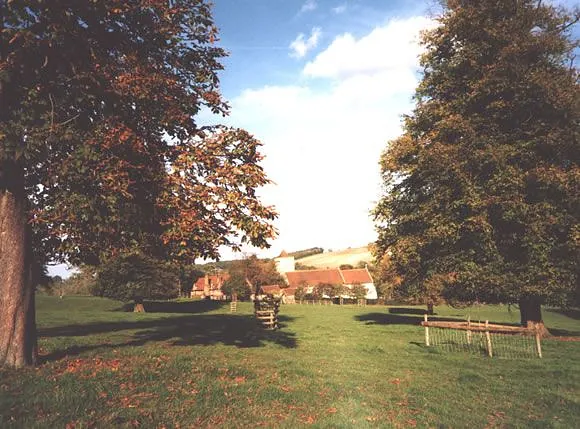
(199, 284)
(313, 277)
(356, 276)
(214, 280)
(271, 289)
(289, 291)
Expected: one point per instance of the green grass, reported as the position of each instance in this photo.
(197, 365)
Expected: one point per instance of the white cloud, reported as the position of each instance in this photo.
(308, 6)
(391, 47)
(339, 9)
(301, 46)
(323, 142)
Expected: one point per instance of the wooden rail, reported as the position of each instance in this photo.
(486, 328)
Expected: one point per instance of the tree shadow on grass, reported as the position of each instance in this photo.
(397, 319)
(562, 333)
(407, 310)
(232, 330)
(572, 313)
(188, 307)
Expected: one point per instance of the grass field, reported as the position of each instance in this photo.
(335, 259)
(193, 364)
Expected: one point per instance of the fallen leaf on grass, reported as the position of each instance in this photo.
(331, 410)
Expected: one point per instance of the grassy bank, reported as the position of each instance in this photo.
(195, 364)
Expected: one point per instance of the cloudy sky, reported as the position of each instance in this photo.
(323, 84)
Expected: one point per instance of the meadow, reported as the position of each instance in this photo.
(194, 364)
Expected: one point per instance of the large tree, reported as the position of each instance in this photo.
(482, 190)
(100, 153)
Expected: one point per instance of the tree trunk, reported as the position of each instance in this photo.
(430, 309)
(531, 314)
(17, 314)
(139, 307)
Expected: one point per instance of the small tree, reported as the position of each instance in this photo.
(236, 287)
(299, 294)
(358, 291)
(134, 278)
(256, 272)
(317, 292)
(326, 290)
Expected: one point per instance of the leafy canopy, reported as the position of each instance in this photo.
(136, 277)
(481, 196)
(99, 100)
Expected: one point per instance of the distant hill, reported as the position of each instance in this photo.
(335, 259)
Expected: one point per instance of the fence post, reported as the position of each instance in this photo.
(538, 340)
(468, 330)
(488, 339)
(426, 331)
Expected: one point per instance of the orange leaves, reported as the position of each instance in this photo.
(210, 197)
(89, 367)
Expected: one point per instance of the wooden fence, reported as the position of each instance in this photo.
(486, 330)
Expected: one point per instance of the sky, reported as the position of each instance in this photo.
(323, 84)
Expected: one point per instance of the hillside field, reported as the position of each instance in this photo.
(195, 364)
(335, 259)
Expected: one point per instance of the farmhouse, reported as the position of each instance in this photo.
(210, 286)
(311, 278)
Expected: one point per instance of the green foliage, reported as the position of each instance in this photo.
(256, 272)
(306, 252)
(79, 283)
(188, 275)
(347, 267)
(300, 266)
(358, 291)
(136, 277)
(99, 100)
(481, 191)
(237, 285)
(300, 293)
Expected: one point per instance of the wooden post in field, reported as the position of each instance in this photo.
(538, 340)
(468, 330)
(233, 306)
(426, 331)
(488, 339)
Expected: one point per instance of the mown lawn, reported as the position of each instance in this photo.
(193, 364)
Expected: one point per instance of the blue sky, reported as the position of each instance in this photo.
(323, 84)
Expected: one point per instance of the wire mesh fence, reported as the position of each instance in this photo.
(484, 339)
